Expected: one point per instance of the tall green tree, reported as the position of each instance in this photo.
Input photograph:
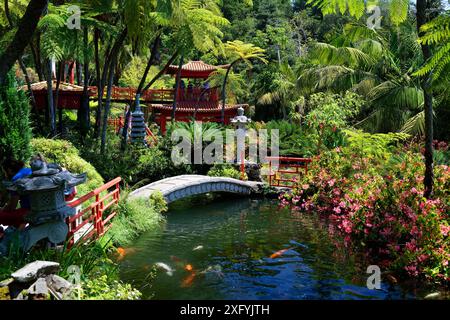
(238, 51)
(15, 129)
(22, 36)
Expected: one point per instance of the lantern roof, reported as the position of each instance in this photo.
(195, 69)
(45, 177)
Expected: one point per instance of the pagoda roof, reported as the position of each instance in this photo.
(195, 69)
(63, 87)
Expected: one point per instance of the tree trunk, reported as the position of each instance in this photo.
(8, 15)
(37, 61)
(30, 92)
(58, 82)
(421, 17)
(177, 88)
(84, 111)
(79, 73)
(163, 70)
(126, 124)
(99, 83)
(224, 95)
(110, 57)
(51, 106)
(151, 61)
(23, 36)
(107, 104)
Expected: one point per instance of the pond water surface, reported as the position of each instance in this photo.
(234, 240)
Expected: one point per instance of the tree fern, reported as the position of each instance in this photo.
(437, 32)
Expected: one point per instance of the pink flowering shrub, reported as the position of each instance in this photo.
(377, 203)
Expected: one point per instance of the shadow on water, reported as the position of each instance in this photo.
(234, 239)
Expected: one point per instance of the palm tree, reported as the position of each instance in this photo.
(362, 61)
(286, 93)
(234, 85)
(400, 10)
(238, 51)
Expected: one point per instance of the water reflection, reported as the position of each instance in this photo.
(237, 238)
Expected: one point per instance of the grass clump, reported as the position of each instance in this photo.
(135, 216)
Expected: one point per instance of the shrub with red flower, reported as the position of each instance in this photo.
(378, 204)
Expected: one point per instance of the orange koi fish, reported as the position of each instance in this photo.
(123, 252)
(279, 253)
(188, 267)
(187, 282)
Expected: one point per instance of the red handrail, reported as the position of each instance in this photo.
(96, 209)
(287, 166)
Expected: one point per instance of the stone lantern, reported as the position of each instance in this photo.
(138, 124)
(240, 122)
(253, 170)
(46, 219)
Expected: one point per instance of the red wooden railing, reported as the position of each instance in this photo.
(288, 171)
(98, 225)
(161, 95)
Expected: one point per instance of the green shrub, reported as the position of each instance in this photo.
(294, 140)
(101, 288)
(380, 145)
(136, 164)
(348, 104)
(133, 218)
(66, 155)
(158, 202)
(224, 170)
(15, 130)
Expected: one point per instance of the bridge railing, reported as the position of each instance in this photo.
(89, 218)
(287, 171)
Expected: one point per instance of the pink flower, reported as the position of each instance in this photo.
(305, 186)
(337, 209)
(412, 270)
(445, 230)
(331, 182)
(347, 225)
(411, 246)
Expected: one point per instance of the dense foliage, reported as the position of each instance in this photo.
(15, 129)
(371, 193)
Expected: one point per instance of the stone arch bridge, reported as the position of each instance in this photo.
(179, 187)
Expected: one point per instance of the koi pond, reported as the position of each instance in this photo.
(241, 249)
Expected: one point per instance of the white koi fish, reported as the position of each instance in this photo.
(197, 248)
(165, 267)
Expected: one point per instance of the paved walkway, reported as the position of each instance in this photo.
(184, 186)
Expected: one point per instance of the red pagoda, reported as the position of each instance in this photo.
(201, 103)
